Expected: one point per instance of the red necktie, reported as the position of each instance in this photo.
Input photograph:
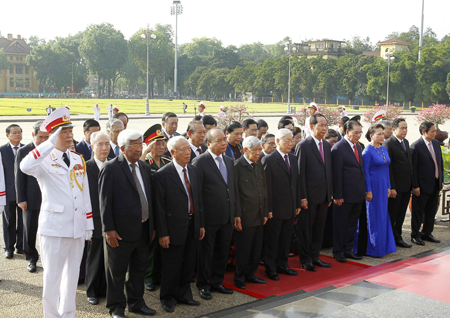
(199, 150)
(356, 153)
(188, 186)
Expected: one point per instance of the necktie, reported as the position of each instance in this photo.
(188, 186)
(144, 203)
(321, 151)
(199, 150)
(403, 145)
(287, 162)
(116, 151)
(222, 169)
(356, 153)
(66, 159)
(15, 150)
(436, 170)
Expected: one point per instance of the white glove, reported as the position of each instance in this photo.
(2, 209)
(54, 137)
(89, 235)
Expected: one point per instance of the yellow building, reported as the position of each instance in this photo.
(393, 45)
(328, 48)
(19, 78)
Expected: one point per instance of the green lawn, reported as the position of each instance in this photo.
(19, 106)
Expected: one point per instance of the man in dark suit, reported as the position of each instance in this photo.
(428, 178)
(400, 175)
(29, 198)
(84, 146)
(283, 194)
(196, 132)
(348, 190)
(179, 224)
(128, 224)
(341, 129)
(95, 261)
(252, 189)
(123, 117)
(268, 145)
(169, 128)
(316, 191)
(221, 212)
(12, 233)
(113, 127)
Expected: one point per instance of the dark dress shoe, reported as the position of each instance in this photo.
(169, 307)
(261, 262)
(240, 285)
(191, 302)
(222, 289)
(93, 300)
(430, 238)
(9, 255)
(309, 267)
(287, 271)
(19, 251)
(31, 267)
(146, 311)
(150, 286)
(205, 294)
(118, 316)
(402, 243)
(272, 276)
(340, 258)
(256, 280)
(417, 240)
(320, 263)
(193, 280)
(353, 256)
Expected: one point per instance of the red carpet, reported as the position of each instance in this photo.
(305, 280)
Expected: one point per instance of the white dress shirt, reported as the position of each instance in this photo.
(195, 149)
(317, 142)
(217, 162)
(139, 175)
(99, 163)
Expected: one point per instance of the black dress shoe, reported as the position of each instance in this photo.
(287, 271)
(191, 302)
(240, 285)
(205, 294)
(31, 267)
(9, 255)
(169, 307)
(430, 238)
(256, 280)
(118, 316)
(19, 251)
(340, 258)
(309, 267)
(320, 263)
(146, 311)
(417, 240)
(222, 289)
(353, 256)
(150, 286)
(272, 276)
(401, 243)
(93, 300)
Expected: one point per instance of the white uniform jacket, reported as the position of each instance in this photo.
(2, 185)
(66, 206)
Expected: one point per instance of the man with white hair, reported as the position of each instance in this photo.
(284, 204)
(128, 225)
(180, 224)
(251, 185)
(113, 127)
(95, 263)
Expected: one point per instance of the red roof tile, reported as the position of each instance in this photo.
(394, 41)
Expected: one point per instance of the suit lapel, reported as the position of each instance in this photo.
(427, 149)
(313, 145)
(214, 166)
(282, 163)
(176, 177)
(126, 169)
(144, 177)
(399, 145)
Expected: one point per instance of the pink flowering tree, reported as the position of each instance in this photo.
(333, 115)
(436, 113)
(237, 112)
(392, 112)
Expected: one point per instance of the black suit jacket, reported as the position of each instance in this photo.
(120, 206)
(8, 167)
(193, 154)
(423, 165)
(348, 174)
(400, 169)
(252, 190)
(283, 187)
(172, 207)
(83, 148)
(27, 187)
(316, 180)
(93, 176)
(220, 200)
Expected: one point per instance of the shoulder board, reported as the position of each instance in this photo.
(77, 153)
(166, 159)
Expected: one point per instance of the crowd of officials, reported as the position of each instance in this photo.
(131, 211)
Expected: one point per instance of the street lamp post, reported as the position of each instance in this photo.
(147, 37)
(421, 32)
(388, 56)
(176, 9)
(289, 48)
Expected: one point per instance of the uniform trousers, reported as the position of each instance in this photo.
(424, 208)
(277, 238)
(61, 258)
(12, 227)
(248, 244)
(30, 226)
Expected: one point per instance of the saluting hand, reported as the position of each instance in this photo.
(113, 238)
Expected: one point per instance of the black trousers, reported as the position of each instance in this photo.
(30, 226)
(363, 230)
(311, 223)
(12, 227)
(328, 229)
(178, 270)
(154, 267)
(130, 257)
(277, 238)
(424, 208)
(212, 254)
(95, 268)
(345, 220)
(397, 210)
(248, 245)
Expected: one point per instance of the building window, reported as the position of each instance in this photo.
(27, 82)
(11, 58)
(27, 70)
(11, 70)
(19, 69)
(11, 83)
(21, 58)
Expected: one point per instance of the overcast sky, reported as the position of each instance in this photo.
(231, 21)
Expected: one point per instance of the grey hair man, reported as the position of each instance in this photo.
(113, 127)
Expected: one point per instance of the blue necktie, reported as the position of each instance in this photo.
(116, 151)
(222, 169)
(403, 144)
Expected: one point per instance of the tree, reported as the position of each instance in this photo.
(4, 63)
(34, 41)
(357, 45)
(255, 52)
(203, 47)
(242, 78)
(224, 58)
(212, 83)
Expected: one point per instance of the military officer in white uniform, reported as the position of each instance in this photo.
(65, 219)
(2, 189)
